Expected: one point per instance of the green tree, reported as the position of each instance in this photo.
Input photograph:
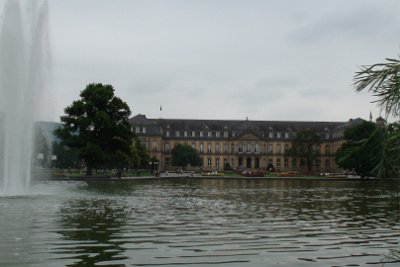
(139, 155)
(361, 149)
(66, 157)
(97, 126)
(383, 81)
(305, 147)
(184, 155)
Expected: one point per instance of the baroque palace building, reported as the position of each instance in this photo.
(243, 144)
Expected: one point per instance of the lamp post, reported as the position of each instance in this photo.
(153, 165)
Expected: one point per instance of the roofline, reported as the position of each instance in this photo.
(235, 120)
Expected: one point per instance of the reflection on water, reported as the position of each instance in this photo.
(190, 222)
(90, 224)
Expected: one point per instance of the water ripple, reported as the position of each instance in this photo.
(199, 222)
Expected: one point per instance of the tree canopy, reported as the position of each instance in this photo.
(383, 81)
(305, 147)
(361, 149)
(184, 155)
(97, 125)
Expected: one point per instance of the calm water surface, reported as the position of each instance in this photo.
(199, 223)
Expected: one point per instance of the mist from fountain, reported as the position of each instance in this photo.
(24, 69)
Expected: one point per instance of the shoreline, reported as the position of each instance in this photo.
(185, 176)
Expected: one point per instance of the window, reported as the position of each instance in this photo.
(193, 145)
(217, 134)
(137, 129)
(144, 130)
(257, 163)
(216, 161)
(208, 161)
(201, 134)
(154, 145)
(226, 134)
(270, 148)
(271, 135)
(249, 146)
(327, 136)
(201, 148)
(240, 150)
(286, 163)
(278, 135)
(217, 148)
(225, 161)
(166, 147)
(233, 134)
(286, 135)
(278, 163)
(209, 134)
(278, 148)
(226, 148)
(318, 148)
(167, 161)
(257, 149)
(177, 133)
(185, 134)
(209, 148)
(167, 133)
(193, 134)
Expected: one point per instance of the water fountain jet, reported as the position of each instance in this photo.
(24, 57)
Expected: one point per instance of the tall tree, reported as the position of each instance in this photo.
(305, 147)
(184, 155)
(383, 81)
(97, 126)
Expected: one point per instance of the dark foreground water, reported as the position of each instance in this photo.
(199, 223)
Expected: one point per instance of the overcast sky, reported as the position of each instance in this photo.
(223, 59)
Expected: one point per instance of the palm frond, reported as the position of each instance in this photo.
(383, 81)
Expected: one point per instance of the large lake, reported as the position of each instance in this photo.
(200, 222)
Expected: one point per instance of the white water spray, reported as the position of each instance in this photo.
(24, 67)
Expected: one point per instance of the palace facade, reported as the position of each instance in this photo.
(242, 144)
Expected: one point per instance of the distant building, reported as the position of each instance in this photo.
(242, 144)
